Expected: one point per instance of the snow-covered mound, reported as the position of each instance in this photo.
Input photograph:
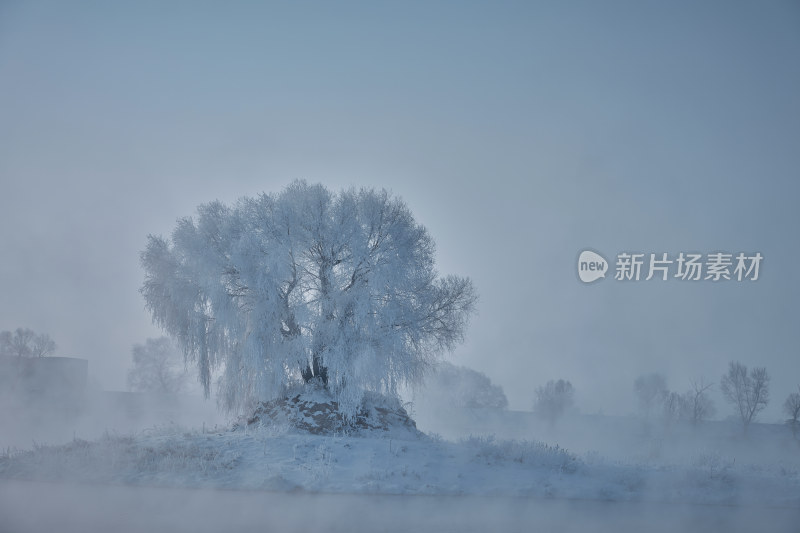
(375, 463)
(313, 410)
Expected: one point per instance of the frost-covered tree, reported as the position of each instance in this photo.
(747, 391)
(157, 367)
(792, 408)
(24, 342)
(554, 399)
(458, 386)
(305, 285)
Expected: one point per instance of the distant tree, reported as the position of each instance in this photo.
(157, 367)
(42, 346)
(672, 407)
(458, 386)
(554, 399)
(5, 343)
(18, 343)
(696, 404)
(792, 408)
(747, 391)
(650, 389)
(24, 342)
(338, 289)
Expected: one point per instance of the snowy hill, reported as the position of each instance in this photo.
(382, 452)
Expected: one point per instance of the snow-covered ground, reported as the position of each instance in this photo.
(264, 460)
(400, 462)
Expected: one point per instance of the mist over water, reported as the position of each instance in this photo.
(75, 509)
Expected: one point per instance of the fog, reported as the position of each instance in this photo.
(519, 134)
(625, 439)
(27, 421)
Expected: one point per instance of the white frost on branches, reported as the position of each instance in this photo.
(305, 285)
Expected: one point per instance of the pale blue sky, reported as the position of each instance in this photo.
(518, 133)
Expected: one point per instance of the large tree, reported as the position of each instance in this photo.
(305, 285)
